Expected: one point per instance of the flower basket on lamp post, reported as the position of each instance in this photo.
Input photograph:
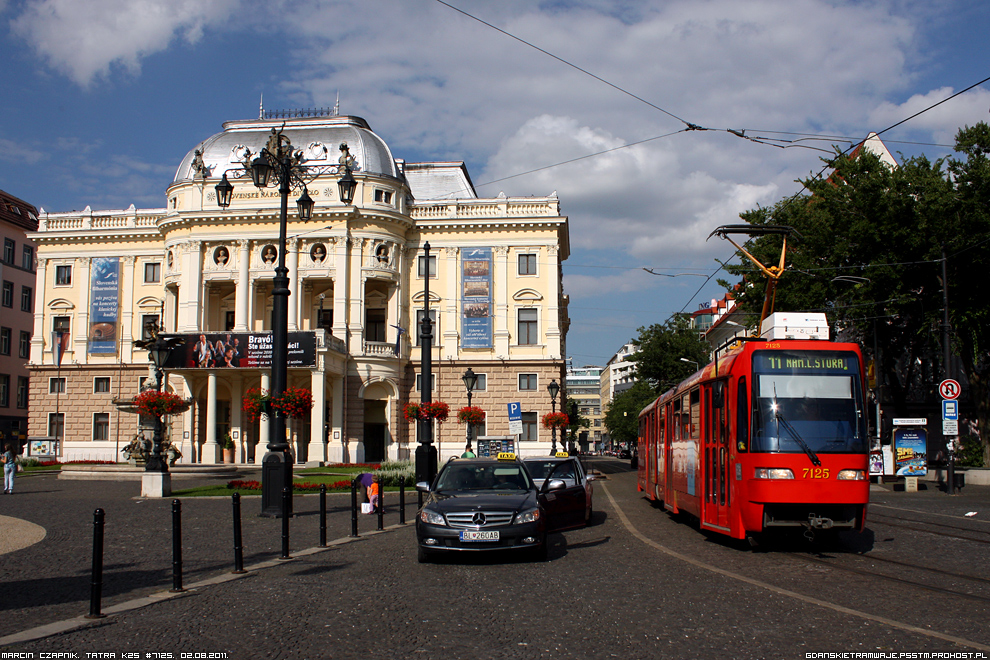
(156, 404)
(555, 420)
(437, 410)
(294, 402)
(470, 415)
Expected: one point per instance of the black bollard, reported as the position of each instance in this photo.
(381, 505)
(238, 545)
(286, 507)
(402, 500)
(176, 547)
(323, 515)
(354, 507)
(96, 580)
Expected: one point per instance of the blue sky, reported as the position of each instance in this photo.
(101, 99)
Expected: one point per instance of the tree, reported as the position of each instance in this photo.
(622, 415)
(660, 349)
(871, 259)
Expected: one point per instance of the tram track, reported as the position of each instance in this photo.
(916, 527)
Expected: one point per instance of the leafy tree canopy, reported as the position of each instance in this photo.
(622, 415)
(660, 349)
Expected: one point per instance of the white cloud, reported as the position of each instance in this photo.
(942, 122)
(84, 40)
(15, 152)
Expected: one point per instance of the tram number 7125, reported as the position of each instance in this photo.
(815, 473)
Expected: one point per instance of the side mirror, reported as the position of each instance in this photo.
(423, 486)
(555, 484)
(718, 394)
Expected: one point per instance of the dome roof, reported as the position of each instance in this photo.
(319, 138)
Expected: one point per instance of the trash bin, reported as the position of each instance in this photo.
(959, 480)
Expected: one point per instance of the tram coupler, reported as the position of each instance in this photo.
(816, 522)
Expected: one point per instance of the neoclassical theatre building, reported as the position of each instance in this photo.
(357, 273)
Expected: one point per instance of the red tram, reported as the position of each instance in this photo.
(771, 435)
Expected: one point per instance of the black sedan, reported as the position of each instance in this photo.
(484, 504)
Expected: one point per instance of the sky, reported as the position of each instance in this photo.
(601, 102)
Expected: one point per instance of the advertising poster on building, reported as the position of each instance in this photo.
(239, 350)
(476, 297)
(911, 452)
(104, 305)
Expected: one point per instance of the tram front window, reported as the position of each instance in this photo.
(807, 402)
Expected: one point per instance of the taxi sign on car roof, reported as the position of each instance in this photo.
(561, 454)
(506, 456)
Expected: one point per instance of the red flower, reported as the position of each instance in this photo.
(555, 420)
(294, 402)
(255, 403)
(155, 404)
(437, 410)
(470, 415)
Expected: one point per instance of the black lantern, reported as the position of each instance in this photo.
(470, 380)
(225, 192)
(305, 204)
(159, 352)
(347, 184)
(260, 171)
(553, 388)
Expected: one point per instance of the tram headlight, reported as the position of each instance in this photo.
(851, 475)
(773, 473)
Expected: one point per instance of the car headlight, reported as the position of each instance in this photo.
(432, 517)
(852, 475)
(773, 473)
(528, 516)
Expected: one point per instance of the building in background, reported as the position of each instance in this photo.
(17, 272)
(357, 273)
(584, 387)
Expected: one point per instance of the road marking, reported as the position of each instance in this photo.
(785, 592)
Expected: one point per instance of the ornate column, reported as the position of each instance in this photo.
(552, 324)
(237, 418)
(188, 445)
(341, 286)
(263, 438)
(337, 443)
(80, 323)
(358, 286)
(127, 311)
(295, 297)
(450, 328)
(40, 337)
(210, 446)
(190, 287)
(500, 300)
(317, 448)
(244, 291)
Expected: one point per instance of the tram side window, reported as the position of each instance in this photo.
(742, 416)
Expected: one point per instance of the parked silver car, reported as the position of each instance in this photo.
(576, 498)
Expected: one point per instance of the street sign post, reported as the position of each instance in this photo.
(949, 389)
(515, 418)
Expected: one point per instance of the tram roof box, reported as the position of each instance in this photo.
(784, 325)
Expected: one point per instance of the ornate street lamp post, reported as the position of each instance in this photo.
(159, 352)
(553, 388)
(279, 162)
(426, 454)
(470, 380)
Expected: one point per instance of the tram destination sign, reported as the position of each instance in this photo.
(239, 350)
(804, 362)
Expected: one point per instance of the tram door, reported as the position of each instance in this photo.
(716, 457)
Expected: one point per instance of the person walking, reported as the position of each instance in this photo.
(9, 460)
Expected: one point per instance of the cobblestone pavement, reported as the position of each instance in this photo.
(637, 583)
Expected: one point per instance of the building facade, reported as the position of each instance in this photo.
(583, 386)
(358, 275)
(17, 273)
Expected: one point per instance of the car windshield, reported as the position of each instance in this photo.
(807, 402)
(540, 469)
(501, 476)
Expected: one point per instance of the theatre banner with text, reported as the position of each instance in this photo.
(243, 350)
(476, 297)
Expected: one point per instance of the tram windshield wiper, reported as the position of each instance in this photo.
(779, 419)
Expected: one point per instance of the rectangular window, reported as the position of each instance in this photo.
(529, 426)
(149, 326)
(324, 319)
(56, 425)
(419, 325)
(24, 349)
(22, 392)
(528, 332)
(56, 385)
(419, 382)
(229, 321)
(101, 385)
(8, 250)
(7, 298)
(527, 264)
(27, 258)
(421, 270)
(383, 196)
(5, 335)
(27, 299)
(60, 323)
(482, 384)
(101, 426)
(152, 273)
(374, 325)
(4, 391)
(63, 275)
(527, 381)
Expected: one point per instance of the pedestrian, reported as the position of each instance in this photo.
(468, 453)
(9, 460)
(373, 491)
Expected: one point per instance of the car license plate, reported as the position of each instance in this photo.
(479, 536)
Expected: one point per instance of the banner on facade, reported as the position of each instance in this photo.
(239, 350)
(104, 305)
(476, 297)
